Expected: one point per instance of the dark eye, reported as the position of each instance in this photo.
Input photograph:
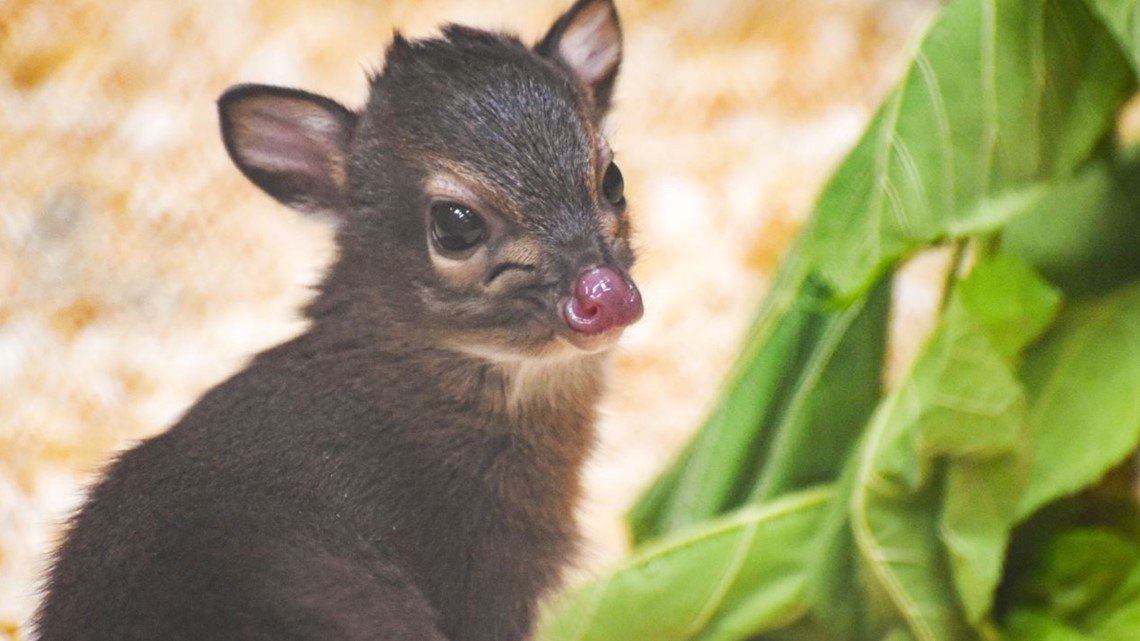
(613, 185)
(455, 228)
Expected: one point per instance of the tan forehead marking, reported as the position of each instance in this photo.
(456, 180)
(472, 185)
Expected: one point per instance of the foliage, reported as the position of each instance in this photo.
(981, 497)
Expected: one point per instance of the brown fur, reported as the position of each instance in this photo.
(408, 468)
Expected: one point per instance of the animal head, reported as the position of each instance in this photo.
(478, 201)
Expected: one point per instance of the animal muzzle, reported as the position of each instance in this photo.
(603, 299)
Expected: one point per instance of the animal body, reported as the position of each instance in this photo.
(408, 467)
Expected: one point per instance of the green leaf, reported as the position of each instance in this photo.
(1011, 302)
(727, 580)
(984, 483)
(806, 629)
(1080, 571)
(704, 481)
(1034, 626)
(1085, 581)
(835, 393)
(1122, 625)
(809, 378)
(895, 531)
(834, 590)
(1083, 382)
(1002, 96)
(898, 634)
(1084, 233)
(1123, 19)
(977, 518)
(960, 409)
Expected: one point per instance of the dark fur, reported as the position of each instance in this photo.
(366, 480)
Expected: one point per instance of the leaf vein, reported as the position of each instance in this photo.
(945, 134)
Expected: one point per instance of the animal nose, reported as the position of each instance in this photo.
(603, 300)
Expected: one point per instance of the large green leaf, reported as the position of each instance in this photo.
(1083, 582)
(834, 395)
(704, 480)
(1029, 625)
(726, 580)
(1084, 234)
(942, 470)
(1123, 18)
(1002, 96)
(810, 377)
(835, 590)
(1122, 624)
(1083, 382)
(984, 487)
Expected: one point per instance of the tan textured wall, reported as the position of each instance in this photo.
(137, 267)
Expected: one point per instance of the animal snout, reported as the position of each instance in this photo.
(603, 300)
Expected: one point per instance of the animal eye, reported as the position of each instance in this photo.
(455, 228)
(613, 185)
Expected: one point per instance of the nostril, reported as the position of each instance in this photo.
(603, 299)
(587, 309)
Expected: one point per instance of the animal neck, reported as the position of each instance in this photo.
(549, 403)
(531, 387)
(549, 410)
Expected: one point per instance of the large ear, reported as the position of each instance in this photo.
(291, 143)
(587, 41)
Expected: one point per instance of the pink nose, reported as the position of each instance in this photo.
(603, 300)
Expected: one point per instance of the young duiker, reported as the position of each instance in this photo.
(408, 468)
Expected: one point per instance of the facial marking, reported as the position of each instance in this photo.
(460, 271)
(453, 178)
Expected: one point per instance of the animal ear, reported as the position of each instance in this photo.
(291, 143)
(587, 41)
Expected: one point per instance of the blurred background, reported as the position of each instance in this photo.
(138, 268)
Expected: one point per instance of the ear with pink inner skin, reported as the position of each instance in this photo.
(586, 40)
(290, 143)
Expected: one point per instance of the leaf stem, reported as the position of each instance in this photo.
(987, 244)
(952, 273)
